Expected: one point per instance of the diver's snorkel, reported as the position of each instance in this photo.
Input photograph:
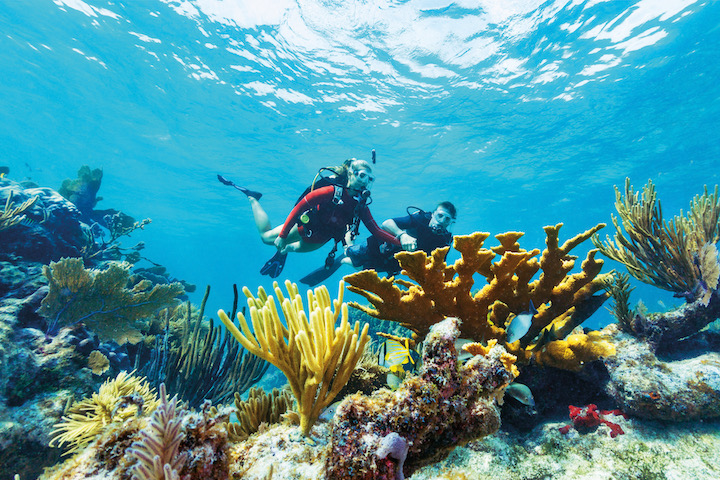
(374, 158)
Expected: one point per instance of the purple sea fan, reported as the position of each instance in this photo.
(157, 449)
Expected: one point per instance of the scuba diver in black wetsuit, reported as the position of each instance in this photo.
(419, 230)
(327, 210)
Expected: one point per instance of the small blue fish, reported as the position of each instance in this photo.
(398, 357)
(520, 325)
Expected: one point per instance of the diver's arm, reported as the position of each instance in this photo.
(389, 225)
(407, 241)
(378, 232)
(310, 200)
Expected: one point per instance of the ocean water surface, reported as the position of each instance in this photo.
(523, 113)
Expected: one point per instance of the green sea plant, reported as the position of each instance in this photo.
(659, 252)
(118, 399)
(205, 362)
(619, 288)
(101, 299)
(157, 450)
(259, 408)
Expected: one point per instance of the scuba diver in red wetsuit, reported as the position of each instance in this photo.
(327, 210)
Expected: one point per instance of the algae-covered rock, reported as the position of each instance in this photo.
(679, 389)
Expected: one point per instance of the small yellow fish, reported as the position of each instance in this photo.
(398, 357)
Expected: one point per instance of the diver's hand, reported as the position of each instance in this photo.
(408, 242)
(281, 244)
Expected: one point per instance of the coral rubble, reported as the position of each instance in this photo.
(388, 435)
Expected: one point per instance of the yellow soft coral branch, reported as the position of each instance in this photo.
(316, 356)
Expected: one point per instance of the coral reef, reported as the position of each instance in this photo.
(134, 447)
(42, 369)
(663, 253)
(101, 299)
(391, 434)
(564, 300)
(316, 356)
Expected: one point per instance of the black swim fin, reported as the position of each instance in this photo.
(249, 193)
(322, 273)
(275, 265)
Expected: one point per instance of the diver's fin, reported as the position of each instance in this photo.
(322, 273)
(274, 266)
(249, 193)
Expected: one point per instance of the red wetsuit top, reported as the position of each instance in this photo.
(330, 221)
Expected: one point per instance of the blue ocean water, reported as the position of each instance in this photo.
(523, 113)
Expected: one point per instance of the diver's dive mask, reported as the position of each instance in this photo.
(364, 178)
(441, 221)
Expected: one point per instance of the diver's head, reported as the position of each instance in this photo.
(360, 176)
(443, 217)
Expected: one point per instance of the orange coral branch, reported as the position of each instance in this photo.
(439, 290)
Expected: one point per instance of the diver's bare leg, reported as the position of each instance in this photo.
(262, 222)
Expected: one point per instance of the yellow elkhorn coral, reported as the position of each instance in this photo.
(316, 356)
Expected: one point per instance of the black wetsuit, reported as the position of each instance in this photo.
(380, 256)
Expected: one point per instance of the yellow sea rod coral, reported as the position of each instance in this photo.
(316, 356)
(118, 399)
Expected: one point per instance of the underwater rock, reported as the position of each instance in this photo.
(25, 434)
(38, 376)
(278, 452)
(18, 279)
(52, 227)
(675, 390)
(388, 435)
(663, 330)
